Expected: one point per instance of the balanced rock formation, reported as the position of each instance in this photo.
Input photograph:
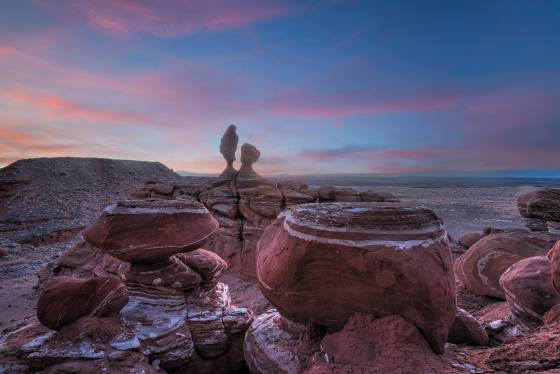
(151, 230)
(228, 147)
(66, 299)
(321, 263)
(482, 265)
(528, 287)
(539, 207)
(249, 155)
(171, 312)
(554, 257)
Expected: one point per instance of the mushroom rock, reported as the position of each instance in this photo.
(249, 155)
(482, 265)
(64, 299)
(274, 344)
(387, 345)
(554, 257)
(228, 147)
(321, 263)
(209, 265)
(151, 230)
(467, 330)
(529, 291)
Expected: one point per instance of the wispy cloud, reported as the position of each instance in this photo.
(60, 108)
(176, 17)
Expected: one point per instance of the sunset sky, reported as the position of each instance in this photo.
(318, 86)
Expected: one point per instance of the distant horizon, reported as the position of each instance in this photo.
(399, 88)
(531, 174)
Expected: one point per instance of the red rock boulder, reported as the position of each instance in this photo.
(542, 204)
(209, 265)
(63, 299)
(529, 291)
(467, 330)
(482, 265)
(554, 257)
(151, 230)
(321, 263)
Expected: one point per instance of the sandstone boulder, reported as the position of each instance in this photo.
(63, 300)
(172, 272)
(321, 263)
(468, 239)
(482, 265)
(207, 264)
(467, 330)
(554, 257)
(529, 291)
(152, 230)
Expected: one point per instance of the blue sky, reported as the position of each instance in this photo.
(318, 86)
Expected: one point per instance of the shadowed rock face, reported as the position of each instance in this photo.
(386, 345)
(528, 287)
(467, 330)
(321, 263)
(228, 147)
(65, 299)
(482, 265)
(151, 230)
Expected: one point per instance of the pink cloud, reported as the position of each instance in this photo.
(172, 18)
(61, 108)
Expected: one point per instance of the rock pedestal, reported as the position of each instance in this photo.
(326, 267)
(321, 263)
(171, 312)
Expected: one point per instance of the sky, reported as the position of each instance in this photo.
(411, 87)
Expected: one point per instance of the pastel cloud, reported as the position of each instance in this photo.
(61, 108)
(172, 18)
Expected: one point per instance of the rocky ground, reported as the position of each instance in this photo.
(46, 203)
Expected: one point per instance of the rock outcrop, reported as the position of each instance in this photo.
(540, 207)
(173, 314)
(528, 288)
(482, 265)
(249, 155)
(321, 263)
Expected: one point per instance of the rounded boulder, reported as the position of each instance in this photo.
(321, 263)
(151, 230)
